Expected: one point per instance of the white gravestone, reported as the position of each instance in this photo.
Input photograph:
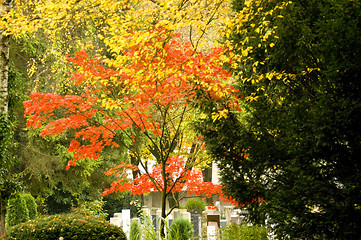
(211, 233)
(126, 221)
(116, 221)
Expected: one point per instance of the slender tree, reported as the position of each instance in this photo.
(5, 7)
(6, 134)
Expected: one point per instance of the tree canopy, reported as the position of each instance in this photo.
(295, 147)
(135, 75)
(139, 95)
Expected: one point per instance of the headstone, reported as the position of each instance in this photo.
(116, 221)
(196, 220)
(154, 218)
(223, 223)
(186, 215)
(180, 213)
(228, 213)
(211, 233)
(126, 221)
(242, 215)
(176, 214)
(153, 211)
(213, 220)
(235, 219)
(170, 220)
(148, 201)
(118, 215)
(146, 211)
(204, 223)
(159, 212)
(182, 210)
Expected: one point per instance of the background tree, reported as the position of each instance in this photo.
(7, 146)
(8, 180)
(38, 57)
(296, 144)
(5, 8)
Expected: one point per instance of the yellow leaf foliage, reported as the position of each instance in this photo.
(115, 25)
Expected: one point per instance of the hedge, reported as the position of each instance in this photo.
(67, 226)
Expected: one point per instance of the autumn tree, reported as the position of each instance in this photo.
(147, 99)
(296, 144)
(132, 34)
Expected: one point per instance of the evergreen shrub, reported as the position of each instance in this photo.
(30, 205)
(235, 231)
(17, 211)
(65, 226)
(181, 229)
(195, 203)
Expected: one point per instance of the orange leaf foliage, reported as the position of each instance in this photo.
(127, 96)
(118, 97)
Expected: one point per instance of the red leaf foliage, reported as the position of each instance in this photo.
(118, 97)
(179, 178)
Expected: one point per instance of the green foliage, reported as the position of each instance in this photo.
(293, 153)
(195, 203)
(43, 163)
(181, 229)
(135, 232)
(21, 207)
(30, 205)
(147, 229)
(122, 200)
(17, 91)
(244, 232)
(66, 226)
(17, 211)
(7, 148)
(91, 208)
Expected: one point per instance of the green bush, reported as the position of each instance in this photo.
(195, 203)
(147, 229)
(244, 232)
(17, 211)
(67, 226)
(91, 208)
(181, 229)
(30, 204)
(134, 230)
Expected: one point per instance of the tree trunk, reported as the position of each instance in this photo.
(164, 200)
(2, 218)
(173, 200)
(4, 61)
(5, 7)
(162, 221)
